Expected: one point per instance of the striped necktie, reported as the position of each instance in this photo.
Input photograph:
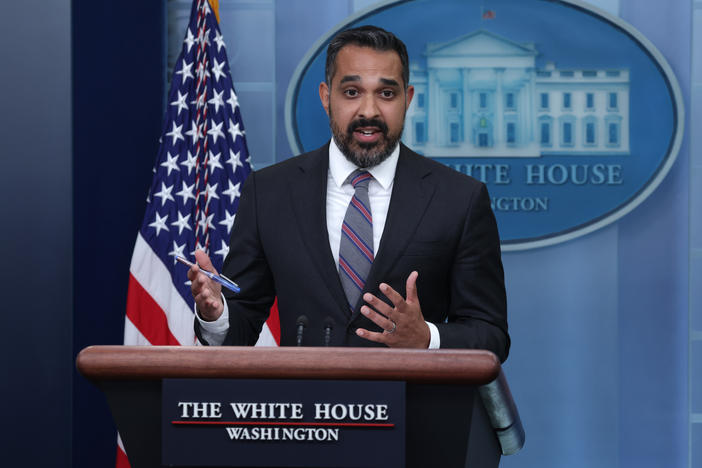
(356, 247)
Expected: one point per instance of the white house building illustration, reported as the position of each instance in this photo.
(481, 95)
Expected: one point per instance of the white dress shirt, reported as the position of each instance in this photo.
(339, 196)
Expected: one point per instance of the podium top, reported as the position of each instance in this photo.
(445, 366)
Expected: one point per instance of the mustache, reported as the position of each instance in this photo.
(367, 123)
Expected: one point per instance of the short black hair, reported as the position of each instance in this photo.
(366, 36)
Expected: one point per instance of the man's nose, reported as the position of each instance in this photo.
(369, 107)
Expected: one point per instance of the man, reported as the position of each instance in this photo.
(372, 242)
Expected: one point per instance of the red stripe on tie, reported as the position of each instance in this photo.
(357, 242)
(147, 316)
(357, 280)
(360, 178)
(362, 209)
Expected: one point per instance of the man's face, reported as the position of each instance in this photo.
(366, 103)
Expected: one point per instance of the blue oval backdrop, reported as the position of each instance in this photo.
(568, 114)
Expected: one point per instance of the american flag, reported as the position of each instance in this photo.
(202, 163)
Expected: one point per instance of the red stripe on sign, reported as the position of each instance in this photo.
(147, 316)
(272, 423)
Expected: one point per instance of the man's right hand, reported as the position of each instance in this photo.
(207, 293)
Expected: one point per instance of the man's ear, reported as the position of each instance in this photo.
(408, 96)
(324, 96)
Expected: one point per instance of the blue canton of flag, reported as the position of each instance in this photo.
(202, 163)
(203, 158)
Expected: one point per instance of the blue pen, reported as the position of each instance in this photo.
(221, 279)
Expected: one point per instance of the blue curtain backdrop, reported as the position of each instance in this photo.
(606, 364)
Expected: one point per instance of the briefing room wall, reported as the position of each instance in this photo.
(653, 284)
(36, 213)
(696, 240)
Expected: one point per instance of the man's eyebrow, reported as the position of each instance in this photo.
(384, 81)
(350, 78)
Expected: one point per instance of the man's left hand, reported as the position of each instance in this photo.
(404, 323)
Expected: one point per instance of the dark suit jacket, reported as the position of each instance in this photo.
(439, 223)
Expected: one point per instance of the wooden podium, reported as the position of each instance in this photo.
(459, 410)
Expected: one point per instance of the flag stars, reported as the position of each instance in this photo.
(182, 223)
(213, 162)
(185, 71)
(171, 163)
(228, 221)
(165, 194)
(205, 222)
(159, 223)
(216, 131)
(189, 40)
(211, 191)
(190, 162)
(217, 100)
(195, 133)
(223, 250)
(233, 191)
(233, 101)
(217, 69)
(186, 192)
(180, 102)
(219, 40)
(234, 130)
(176, 133)
(234, 160)
(178, 251)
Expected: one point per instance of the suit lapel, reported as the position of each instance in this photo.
(412, 190)
(309, 194)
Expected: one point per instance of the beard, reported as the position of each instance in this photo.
(365, 155)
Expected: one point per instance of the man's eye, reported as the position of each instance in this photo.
(387, 93)
(351, 92)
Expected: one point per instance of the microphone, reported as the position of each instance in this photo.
(301, 325)
(328, 325)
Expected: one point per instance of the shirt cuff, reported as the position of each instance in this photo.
(215, 332)
(435, 341)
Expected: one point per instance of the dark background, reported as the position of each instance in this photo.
(82, 105)
(117, 109)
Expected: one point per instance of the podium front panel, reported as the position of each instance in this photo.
(283, 423)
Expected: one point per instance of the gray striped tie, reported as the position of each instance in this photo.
(356, 247)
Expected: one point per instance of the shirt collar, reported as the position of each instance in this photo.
(341, 168)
